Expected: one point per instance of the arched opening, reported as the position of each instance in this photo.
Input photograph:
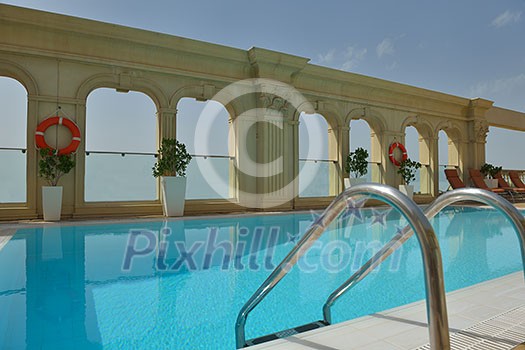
(362, 135)
(448, 155)
(417, 143)
(121, 143)
(412, 146)
(13, 141)
(203, 126)
(315, 167)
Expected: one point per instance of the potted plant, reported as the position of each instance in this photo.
(51, 168)
(407, 170)
(490, 171)
(356, 165)
(171, 167)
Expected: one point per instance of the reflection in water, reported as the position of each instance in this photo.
(65, 287)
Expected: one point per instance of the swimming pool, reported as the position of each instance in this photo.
(160, 285)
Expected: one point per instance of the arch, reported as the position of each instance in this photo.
(452, 129)
(374, 118)
(375, 121)
(204, 92)
(202, 145)
(453, 132)
(112, 81)
(124, 128)
(13, 141)
(330, 113)
(17, 72)
(425, 150)
(423, 126)
(316, 176)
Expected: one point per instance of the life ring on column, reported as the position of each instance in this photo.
(75, 133)
(403, 150)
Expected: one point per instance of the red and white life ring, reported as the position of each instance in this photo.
(75, 133)
(403, 150)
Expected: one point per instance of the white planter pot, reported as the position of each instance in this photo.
(491, 183)
(173, 195)
(408, 190)
(349, 182)
(52, 202)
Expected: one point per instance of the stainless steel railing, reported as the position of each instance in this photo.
(435, 293)
(448, 198)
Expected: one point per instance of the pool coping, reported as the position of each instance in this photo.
(36, 223)
(405, 327)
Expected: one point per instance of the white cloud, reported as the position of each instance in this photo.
(506, 18)
(507, 92)
(327, 57)
(385, 47)
(353, 56)
(497, 86)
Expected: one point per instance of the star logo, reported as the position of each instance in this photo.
(379, 217)
(318, 219)
(292, 238)
(353, 209)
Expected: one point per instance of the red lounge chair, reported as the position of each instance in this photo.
(502, 183)
(516, 180)
(453, 179)
(477, 180)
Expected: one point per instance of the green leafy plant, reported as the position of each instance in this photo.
(407, 170)
(52, 166)
(490, 171)
(173, 159)
(356, 162)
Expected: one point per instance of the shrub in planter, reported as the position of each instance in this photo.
(171, 167)
(51, 167)
(357, 166)
(407, 170)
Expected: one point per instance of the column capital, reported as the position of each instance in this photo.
(480, 130)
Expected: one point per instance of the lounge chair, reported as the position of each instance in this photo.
(516, 180)
(477, 180)
(453, 179)
(502, 183)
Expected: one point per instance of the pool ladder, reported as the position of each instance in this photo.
(418, 223)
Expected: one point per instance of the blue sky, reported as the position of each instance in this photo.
(466, 48)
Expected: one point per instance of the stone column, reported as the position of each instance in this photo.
(475, 157)
(292, 164)
(245, 148)
(273, 151)
(478, 128)
(167, 123)
(390, 175)
(338, 149)
(432, 171)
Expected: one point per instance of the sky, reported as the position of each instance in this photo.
(466, 48)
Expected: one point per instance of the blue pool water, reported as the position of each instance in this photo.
(66, 287)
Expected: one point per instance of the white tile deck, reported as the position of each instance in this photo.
(405, 327)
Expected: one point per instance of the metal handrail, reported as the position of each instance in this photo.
(435, 293)
(462, 194)
(317, 160)
(23, 150)
(156, 154)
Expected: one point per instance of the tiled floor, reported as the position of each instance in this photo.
(405, 327)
